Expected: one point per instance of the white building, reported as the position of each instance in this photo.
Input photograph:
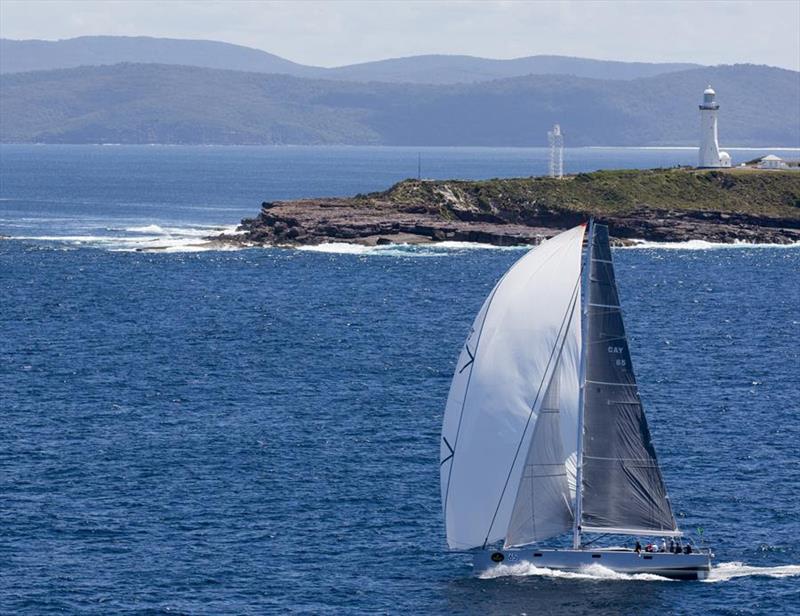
(770, 161)
(710, 155)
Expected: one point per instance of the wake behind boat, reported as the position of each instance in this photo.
(544, 432)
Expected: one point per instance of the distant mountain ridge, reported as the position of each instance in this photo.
(153, 103)
(439, 69)
(37, 55)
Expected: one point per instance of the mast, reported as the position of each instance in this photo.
(576, 528)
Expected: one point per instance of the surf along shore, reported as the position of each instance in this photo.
(662, 205)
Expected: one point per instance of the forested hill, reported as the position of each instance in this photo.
(151, 103)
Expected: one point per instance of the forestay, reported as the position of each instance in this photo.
(623, 490)
(529, 325)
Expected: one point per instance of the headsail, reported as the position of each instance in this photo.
(542, 508)
(499, 387)
(623, 490)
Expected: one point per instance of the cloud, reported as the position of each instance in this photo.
(336, 33)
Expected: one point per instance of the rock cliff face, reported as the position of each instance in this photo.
(658, 205)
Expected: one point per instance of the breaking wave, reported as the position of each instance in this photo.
(729, 571)
(702, 245)
(146, 238)
(340, 248)
(194, 238)
(438, 249)
(389, 250)
(592, 572)
(146, 229)
(722, 572)
(442, 248)
(188, 231)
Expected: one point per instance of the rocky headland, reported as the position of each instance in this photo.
(665, 205)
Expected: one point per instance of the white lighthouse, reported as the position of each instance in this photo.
(710, 155)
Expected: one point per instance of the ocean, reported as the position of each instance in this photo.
(257, 431)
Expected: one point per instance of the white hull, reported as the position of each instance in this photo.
(676, 566)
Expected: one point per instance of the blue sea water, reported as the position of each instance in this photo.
(257, 431)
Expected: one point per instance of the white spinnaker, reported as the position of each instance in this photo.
(494, 398)
(542, 508)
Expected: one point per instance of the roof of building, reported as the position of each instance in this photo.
(771, 157)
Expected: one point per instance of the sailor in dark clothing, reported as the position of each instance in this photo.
(687, 549)
(638, 547)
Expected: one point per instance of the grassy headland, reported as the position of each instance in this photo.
(657, 204)
(608, 193)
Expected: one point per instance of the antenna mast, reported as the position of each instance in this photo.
(556, 141)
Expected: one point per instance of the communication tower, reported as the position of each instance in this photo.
(556, 141)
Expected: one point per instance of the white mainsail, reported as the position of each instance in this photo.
(528, 328)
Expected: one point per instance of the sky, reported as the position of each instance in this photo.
(335, 33)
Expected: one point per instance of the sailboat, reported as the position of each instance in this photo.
(544, 433)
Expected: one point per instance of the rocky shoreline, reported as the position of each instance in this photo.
(669, 206)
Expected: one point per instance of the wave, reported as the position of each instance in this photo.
(186, 231)
(340, 248)
(146, 229)
(702, 245)
(722, 572)
(192, 238)
(729, 571)
(389, 250)
(447, 245)
(592, 572)
(438, 249)
(145, 238)
(64, 238)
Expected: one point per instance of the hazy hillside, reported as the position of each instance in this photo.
(35, 55)
(469, 69)
(150, 103)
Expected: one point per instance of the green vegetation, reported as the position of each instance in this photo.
(156, 103)
(772, 194)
